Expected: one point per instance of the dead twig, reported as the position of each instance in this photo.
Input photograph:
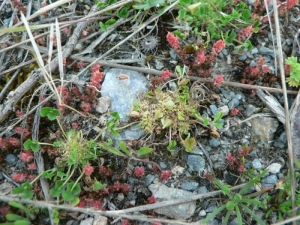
(286, 107)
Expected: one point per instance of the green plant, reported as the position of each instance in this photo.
(17, 219)
(294, 78)
(214, 19)
(238, 202)
(175, 112)
(281, 202)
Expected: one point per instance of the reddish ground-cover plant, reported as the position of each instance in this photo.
(203, 58)
(139, 171)
(237, 163)
(165, 175)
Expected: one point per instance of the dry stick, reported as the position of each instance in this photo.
(93, 212)
(142, 26)
(41, 11)
(24, 35)
(286, 107)
(157, 72)
(14, 96)
(93, 45)
(39, 158)
(22, 118)
(121, 213)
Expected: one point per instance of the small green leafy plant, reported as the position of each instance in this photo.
(281, 202)
(238, 202)
(294, 78)
(15, 219)
(215, 19)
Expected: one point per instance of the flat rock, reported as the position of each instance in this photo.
(123, 91)
(263, 129)
(181, 211)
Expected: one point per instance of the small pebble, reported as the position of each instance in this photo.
(274, 168)
(189, 185)
(256, 164)
(265, 51)
(233, 103)
(269, 181)
(224, 109)
(213, 142)
(243, 57)
(11, 159)
(202, 213)
(213, 109)
(149, 179)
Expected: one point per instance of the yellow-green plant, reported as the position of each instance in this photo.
(173, 111)
(294, 78)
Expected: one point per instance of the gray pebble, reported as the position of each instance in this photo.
(224, 109)
(269, 181)
(252, 63)
(254, 51)
(224, 143)
(225, 51)
(225, 93)
(189, 185)
(249, 55)
(11, 159)
(163, 165)
(202, 190)
(274, 168)
(243, 57)
(196, 163)
(211, 209)
(256, 164)
(250, 109)
(213, 142)
(213, 109)
(265, 51)
(149, 179)
(233, 103)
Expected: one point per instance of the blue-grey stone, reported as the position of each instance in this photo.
(202, 190)
(225, 93)
(225, 51)
(211, 209)
(163, 165)
(149, 179)
(196, 163)
(250, 109)
(213, 109)
(243, 57)
(224, 143)
(281, 142)
(134, 132)
(269, 181)
(252, 63)
(249, 55)
(213, 142)
(189, 185)
(123, 92)
(11, 159)
(254, 51)
(233, 103)
(264, 50)
(256, 164)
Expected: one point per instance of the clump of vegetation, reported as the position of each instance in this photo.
(238, 204)
(293, 68)
(174, 112)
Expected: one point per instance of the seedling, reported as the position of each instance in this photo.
(237, 202)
